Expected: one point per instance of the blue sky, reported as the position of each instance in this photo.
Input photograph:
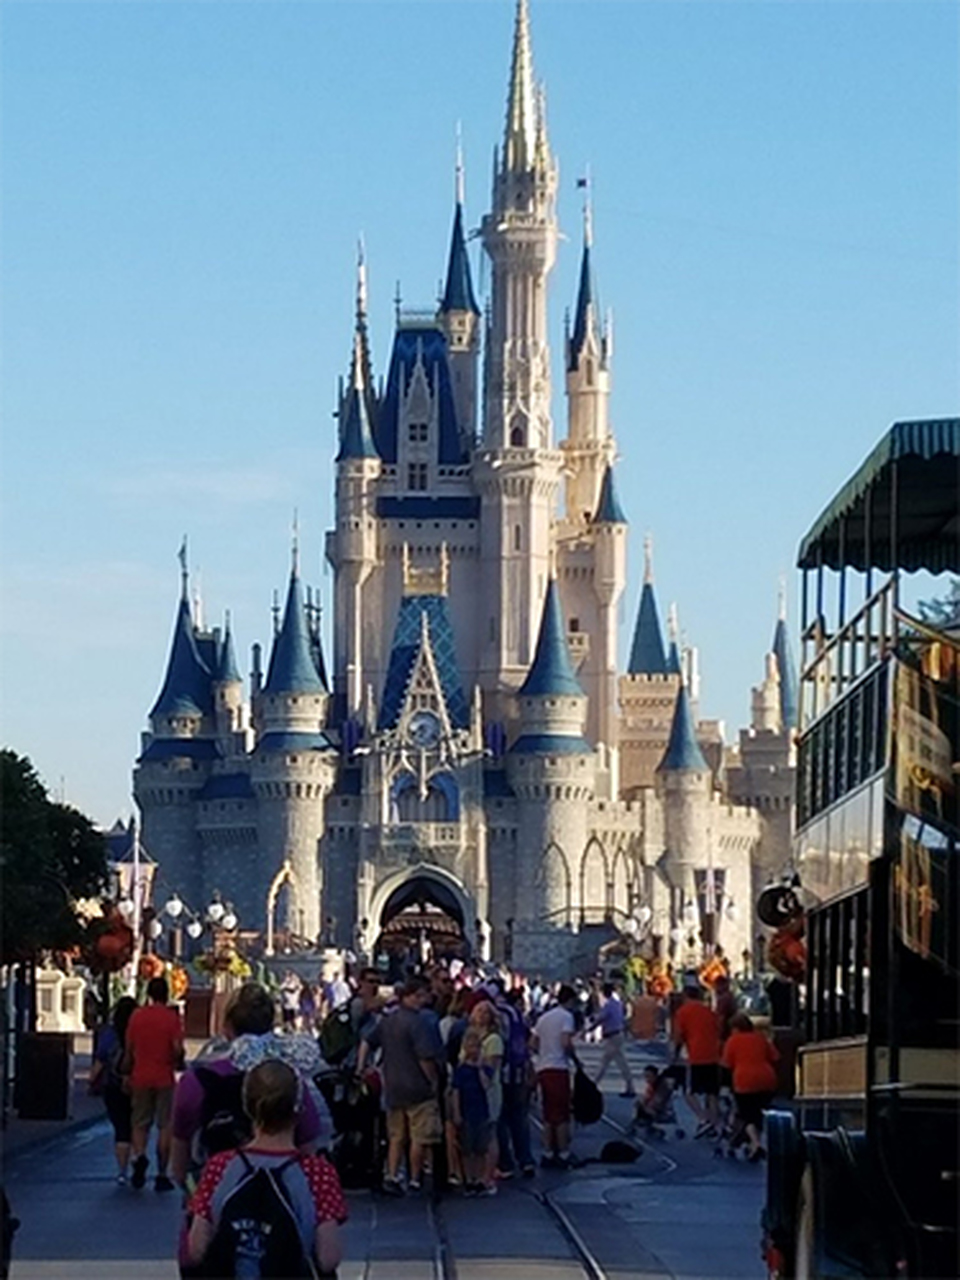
(775, 187)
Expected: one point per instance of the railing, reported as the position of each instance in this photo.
(832, 664)
(838, 973)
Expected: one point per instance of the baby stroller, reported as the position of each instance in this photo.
(359, 1141)
(656, 1111)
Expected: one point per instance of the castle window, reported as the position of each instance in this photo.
(417, 476)
(418, 432)
(574, 625)
(517, 538)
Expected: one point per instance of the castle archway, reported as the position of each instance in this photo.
(419, 914)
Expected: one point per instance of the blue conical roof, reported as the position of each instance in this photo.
(586, 299)
(683, 749)
(356, 435)
(186, 686)
(673, 660)
(552, 671)
(458, 294)
(789, 699)
(228, 672)
(292, 667)
(609, 510)
(647, 655)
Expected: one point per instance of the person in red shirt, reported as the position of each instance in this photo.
(750, 1057)
(695, 1028)
(272, 1095)
(154, 1053)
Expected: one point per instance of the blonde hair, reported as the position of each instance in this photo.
(272, 1094)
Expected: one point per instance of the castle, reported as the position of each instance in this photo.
(473, 766)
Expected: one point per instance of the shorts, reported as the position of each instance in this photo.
(475, 1136)
(422, 1121)
(555, 1095)
(705, 1079)
(151, 1106)
(751, 1106)
(117, 1102)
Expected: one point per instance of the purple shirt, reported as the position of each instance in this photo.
(188, 1105)
(612, 1017)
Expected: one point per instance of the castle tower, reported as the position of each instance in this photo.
(609, 525)
(177, 755)
(517, 469)
(228, 693)
(648, 691)
(459, 317)
(292, 770)
(352, 546)
(685, 779)
(787, 671)
(551, 769)
(589, 446)
(765, 699)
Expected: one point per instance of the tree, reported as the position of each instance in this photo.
(50, 856)
(944, 612)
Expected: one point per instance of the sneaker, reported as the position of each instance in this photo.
(162, 1183)
(413, 1184)
(472, 1189)
(393, 1187)
(504, 1174)
(529, 1171)
(565, 1160)
(140, 1166)
(484, 1190)
(121, 1179)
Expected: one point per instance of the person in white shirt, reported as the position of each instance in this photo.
(552, 1043)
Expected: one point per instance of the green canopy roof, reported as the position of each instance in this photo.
(900, 509)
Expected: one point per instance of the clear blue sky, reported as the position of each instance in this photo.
(776, 190)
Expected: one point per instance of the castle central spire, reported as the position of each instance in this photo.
(520, 138)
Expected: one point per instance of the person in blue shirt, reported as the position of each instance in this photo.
(471, 1113)
(611, 1019)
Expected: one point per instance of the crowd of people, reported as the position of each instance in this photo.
(452, 1059)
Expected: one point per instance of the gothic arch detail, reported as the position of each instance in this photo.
(594, 902)
(553, 882)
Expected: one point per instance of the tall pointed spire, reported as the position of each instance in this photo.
(586, 319)
(520, 137)
(292, 667)
(458, 293)
(674, 665)
(186, 684)
(683, 750)
(789, 696)
(551, 671)
(356, 435)
(361, 363)
(647, 655)
(228, 671)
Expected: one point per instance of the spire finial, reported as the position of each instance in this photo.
(673, 623)
(361, 280)
(782, 598)
(397, 302)
(184, 572)
(357, 381)
(295, 544)
(276, 612)
(198, 600)
(648, 557)
(459, 181)
(586, 185)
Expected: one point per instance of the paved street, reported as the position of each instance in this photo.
(677, 1212)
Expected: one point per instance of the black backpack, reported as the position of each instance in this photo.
(338, 1035)
(258, 1236)
(224, 1125)
(587, 1099)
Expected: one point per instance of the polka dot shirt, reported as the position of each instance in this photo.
(321, 1178)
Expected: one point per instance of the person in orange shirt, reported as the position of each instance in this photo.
(696, 1028)
(750, 1057)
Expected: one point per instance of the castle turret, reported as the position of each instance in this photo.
(589, 446)
(517, 469)
(647, 654)
(351, 547)
(178, 753)
(228, 692)
(685, 779)
(459, 317)
(292, 770)
(551, 768)
(765, 699)
(609, 526)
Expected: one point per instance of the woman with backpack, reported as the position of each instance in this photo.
(266, 1209)
(107, 1081)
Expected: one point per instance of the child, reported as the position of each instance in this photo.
(230, 1231)
(471, 1114)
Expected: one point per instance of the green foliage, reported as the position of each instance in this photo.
(50, 854)
(944, 612)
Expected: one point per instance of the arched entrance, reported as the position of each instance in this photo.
(422, 914)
